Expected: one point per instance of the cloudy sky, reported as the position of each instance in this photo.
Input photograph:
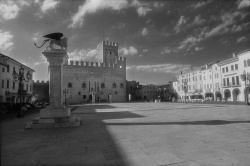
(160, 38)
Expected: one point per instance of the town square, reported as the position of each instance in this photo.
(125, 82)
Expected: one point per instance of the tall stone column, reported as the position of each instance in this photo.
(56, 61)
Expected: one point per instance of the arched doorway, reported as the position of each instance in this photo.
(218, 96)
(209, 96)
(236, 94)
(227, 94)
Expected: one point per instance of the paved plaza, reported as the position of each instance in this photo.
(135, 134)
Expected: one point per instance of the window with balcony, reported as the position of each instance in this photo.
(13, 85)
(233, 81)
(232, 67)
(237, 80)
(236, 66)
(8, 84)
(227, 81)
(223, 70)
(226, 69)
(224, 82)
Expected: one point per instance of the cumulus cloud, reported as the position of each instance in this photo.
(84, 55)
(162, 68)
(6, 40)
(141, 7)
(92, 6)
(43, 60)
(243, 4)
(142, 11)
(128, 50)
(241, 39)
(144, 31)
(49, 5)
(182, 21)
(8, 11)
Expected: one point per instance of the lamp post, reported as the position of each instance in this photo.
(185, 90)
(20, 78)
(65, 91)
(245, 77)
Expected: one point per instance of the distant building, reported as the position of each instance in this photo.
(148, 92)
(9, 87)
(131, 90)
(96, 81)
(41, 91)
(220, 80)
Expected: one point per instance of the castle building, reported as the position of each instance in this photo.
(104, 80)
(217, 80)
(9, 88)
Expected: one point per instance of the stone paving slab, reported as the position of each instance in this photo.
(135, 134)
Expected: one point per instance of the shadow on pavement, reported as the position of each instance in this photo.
(207, 122)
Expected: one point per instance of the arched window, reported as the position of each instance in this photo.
(114, 85)
(70, 85)
(83, 85)
(248, 62)
(102, 85)
(245, 63)
(121, 85)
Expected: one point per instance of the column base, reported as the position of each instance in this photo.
(54, 118)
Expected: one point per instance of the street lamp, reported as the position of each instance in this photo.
(245, 76)
(185, 89)
(20, 78)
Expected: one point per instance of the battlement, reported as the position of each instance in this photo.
(107, 43)
(119, 61)
(40, 82)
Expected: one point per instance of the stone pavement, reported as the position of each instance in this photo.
(135, 134)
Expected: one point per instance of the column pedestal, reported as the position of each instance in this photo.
(56, 114)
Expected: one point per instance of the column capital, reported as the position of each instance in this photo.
(56, 58)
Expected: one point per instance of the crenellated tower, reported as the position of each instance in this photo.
(108, 52)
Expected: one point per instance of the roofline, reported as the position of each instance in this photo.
(243, 52)
(16, 61)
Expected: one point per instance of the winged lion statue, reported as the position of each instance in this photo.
(55, 39)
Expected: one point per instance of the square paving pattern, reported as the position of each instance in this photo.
(135, 134)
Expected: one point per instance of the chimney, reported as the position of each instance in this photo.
(234, 55)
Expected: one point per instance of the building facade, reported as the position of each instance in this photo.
(9, 88)
(220, 80)
(96, 81)
(131, 90)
